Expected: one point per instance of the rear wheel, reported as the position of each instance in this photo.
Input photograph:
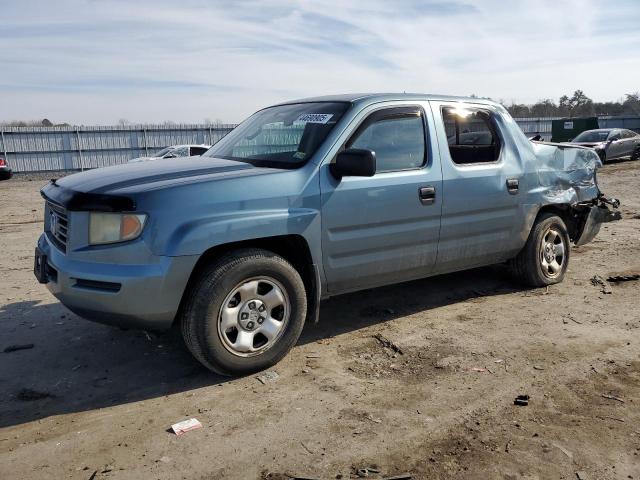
(636, 153)
(245, 312)
(544, 259)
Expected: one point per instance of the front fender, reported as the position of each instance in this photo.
(196, 236)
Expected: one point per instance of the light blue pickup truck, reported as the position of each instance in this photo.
(309, 199)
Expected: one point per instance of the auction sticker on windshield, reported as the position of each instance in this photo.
(315, 117)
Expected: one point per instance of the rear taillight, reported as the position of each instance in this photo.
(3, 162)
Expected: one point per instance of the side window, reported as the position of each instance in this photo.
(197, 150)
(180, 152)
(396, 136)
(471, 135)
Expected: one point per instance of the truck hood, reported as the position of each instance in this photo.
(141, 176)
(117, 188)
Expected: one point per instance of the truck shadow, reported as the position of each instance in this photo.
(76, 365)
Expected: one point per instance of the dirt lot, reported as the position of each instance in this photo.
(93, 402)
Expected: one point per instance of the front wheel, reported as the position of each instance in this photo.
(244, 312)
(636, 153)
(544, 259)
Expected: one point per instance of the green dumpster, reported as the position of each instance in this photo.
(566, 129)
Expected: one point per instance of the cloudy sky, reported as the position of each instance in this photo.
(98, 61)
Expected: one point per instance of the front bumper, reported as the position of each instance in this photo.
(145, 296)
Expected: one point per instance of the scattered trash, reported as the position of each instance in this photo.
(507, 447)
(563, 450)
(597, 280)
(266, 377)
(15, 348)
(581, 475)
(402, 476)
(624, 278)
(611, 418)
(164, 459)
(29, 395)
(538, 367)
(613, 397)
(498, 361)
(185, 426)
(364, 472)
(570, 317)
(309, 451)
(93, 475)
(521, 400)
(385, 342)
(368, 416)
(313, 355)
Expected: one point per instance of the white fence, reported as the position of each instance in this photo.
(34, 149)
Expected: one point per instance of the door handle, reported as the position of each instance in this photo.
(427, 195)
(513, 184)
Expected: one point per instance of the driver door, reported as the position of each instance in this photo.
(377, 230)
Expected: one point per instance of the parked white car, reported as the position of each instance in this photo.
(174, 152)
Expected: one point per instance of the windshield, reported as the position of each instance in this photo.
(592, 136)
(162, 152)
(285, 136)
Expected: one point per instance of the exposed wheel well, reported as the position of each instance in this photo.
(572, 217)
(293, 248)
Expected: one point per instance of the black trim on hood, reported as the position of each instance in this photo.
(86, 202)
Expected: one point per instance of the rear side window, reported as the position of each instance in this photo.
(396, 136)
(471, 135)
(198, 150)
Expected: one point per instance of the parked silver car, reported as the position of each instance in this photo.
(174, 152)
(611, 143)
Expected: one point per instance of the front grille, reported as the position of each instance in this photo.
(58, 226)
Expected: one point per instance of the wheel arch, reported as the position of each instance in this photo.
(293, 248)
(572, 216)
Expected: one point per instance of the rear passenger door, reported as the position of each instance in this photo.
(482, 220)
(378, 230)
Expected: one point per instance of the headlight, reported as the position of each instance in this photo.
(115, 227)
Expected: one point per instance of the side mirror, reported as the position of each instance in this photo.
(354, 162)
(169, 155)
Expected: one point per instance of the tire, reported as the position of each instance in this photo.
(603, 156)
(244, 312)
(635, 155)
(548, 239)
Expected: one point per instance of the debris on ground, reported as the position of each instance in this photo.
(581, 475)
(623, 278)
(597, 280)
(538, 367)
(29, 395)
(185, 426)
(563, 450)
(365, 472)
(403, 476)
(385, 342)
(370, 417)
(15, 348)
(613, 397)
(479, 369)
(266, 377)
(521, 400)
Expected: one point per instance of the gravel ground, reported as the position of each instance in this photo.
(92, 402)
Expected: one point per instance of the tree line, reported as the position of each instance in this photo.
(577, 105)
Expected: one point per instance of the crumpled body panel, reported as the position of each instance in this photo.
(566, 174)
